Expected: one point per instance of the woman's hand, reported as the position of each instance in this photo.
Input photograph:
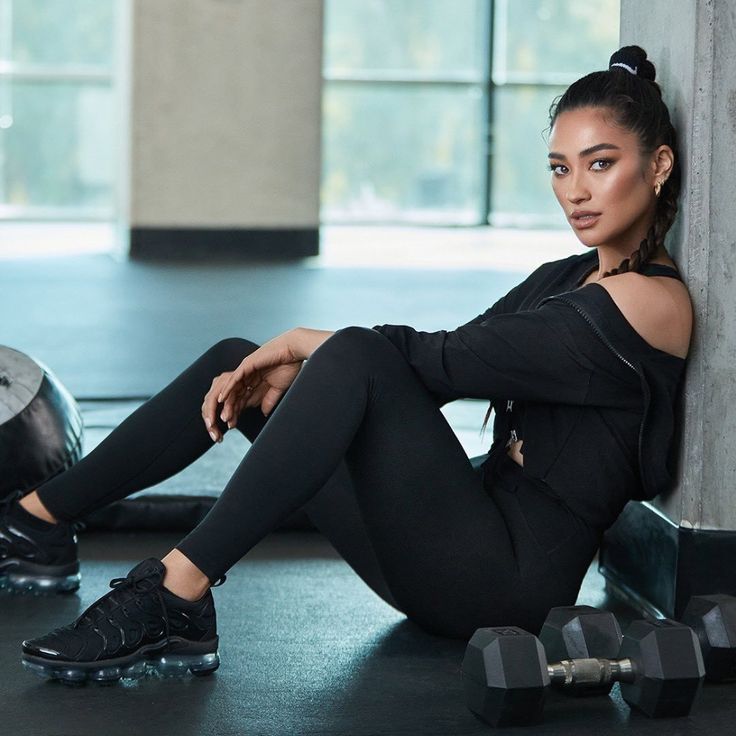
(209, 406)
(262, 377)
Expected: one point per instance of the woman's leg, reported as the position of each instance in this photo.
(167, 433)
(160, 438)
(453, 557)
(335, 513)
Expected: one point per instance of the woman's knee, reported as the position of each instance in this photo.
(227, 354)
(360, 347)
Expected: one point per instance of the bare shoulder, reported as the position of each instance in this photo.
(659, 308)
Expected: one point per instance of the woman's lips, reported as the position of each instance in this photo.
(582, 222)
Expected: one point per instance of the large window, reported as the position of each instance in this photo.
(435, 111)
(539, 48)
(60, 108)
(405, 110)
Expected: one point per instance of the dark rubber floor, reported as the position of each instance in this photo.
(306, 648)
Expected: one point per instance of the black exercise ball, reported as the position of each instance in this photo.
(41, 427)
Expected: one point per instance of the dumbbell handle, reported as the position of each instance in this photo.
(590, 672)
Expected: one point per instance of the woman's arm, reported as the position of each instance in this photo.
(304, 341)
(508, 302)
(529, 355)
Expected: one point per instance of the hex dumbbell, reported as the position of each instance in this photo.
(713, 618)
(581, 632)
(571, 632)
(506, 675)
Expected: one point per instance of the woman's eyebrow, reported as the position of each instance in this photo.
(586, 151)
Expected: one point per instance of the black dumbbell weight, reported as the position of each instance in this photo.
(581, 632)
(571, 632)
(713, 618)
(506, 676)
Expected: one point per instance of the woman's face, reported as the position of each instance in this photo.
(613, 180)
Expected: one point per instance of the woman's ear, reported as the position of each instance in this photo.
(663, 159)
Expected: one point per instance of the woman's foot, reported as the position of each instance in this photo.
(36, 555)
(136, 626)
(32, 503)
(183, 577)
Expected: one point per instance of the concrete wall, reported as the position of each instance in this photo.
(659, 554)
(226, 113)
(695, 58)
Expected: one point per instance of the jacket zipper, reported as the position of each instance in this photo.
(605, 340)
(512, 434)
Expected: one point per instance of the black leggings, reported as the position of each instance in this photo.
(359, 442)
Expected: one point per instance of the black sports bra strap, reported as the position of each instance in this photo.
(659, 269)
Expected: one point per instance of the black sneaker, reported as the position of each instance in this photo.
(35, 555)
(137, 626)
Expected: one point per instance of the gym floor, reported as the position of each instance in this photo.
(306, 646)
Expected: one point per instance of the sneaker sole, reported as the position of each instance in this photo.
(39, 584)
(164, 665)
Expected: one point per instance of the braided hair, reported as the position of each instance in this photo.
(627, 90)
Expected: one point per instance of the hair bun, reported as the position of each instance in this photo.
(633, 59)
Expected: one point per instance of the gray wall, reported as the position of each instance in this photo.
(226, 113)
(695, 58)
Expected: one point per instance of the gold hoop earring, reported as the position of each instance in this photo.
(657, 188)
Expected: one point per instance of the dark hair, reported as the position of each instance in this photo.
(634, 100)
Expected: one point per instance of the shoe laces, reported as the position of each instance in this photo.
(138, 584)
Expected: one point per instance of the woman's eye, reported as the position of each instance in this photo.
(602, 161)
(552, 167)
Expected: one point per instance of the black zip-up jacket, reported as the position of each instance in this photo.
(598, 400)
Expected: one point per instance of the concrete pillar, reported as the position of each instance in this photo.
(658, 554)
(225, 127)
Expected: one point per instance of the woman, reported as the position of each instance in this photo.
(588, 353)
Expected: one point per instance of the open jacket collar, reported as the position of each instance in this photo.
(659, 373)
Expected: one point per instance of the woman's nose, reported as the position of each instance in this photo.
(577, 191)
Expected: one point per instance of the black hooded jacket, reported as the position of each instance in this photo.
(597, 400)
